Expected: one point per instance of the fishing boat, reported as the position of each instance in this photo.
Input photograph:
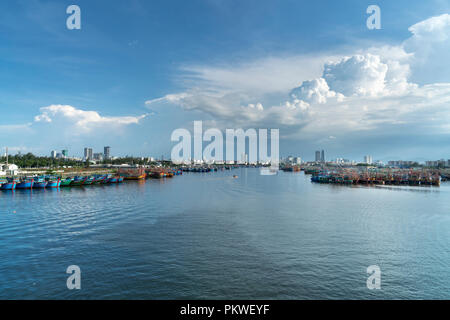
(132, 174)
(89, 181)
(98, 179)
(40, 183)
(107, 178)
(25, 184)
(66, 182)
(78, 181)
(53, 183)
(115, 179)
(7, 185)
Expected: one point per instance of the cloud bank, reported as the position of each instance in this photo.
(368, 91)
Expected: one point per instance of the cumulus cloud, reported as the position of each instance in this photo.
(430, 47)
(84, 120)
(313, 91)
(368, 91)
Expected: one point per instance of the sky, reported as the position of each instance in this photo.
(138, 70)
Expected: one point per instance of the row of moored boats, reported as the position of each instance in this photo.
(56, 182)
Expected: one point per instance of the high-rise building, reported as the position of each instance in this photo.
(244, 158)
(88, 153)
(318, 156)
(53, 154)
(107, 152)
(322, 156)
(65, 153)
(368, 159)
(98, 156)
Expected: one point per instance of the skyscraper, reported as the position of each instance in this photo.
(107, 152)
(322, 156)
(88, 154)
(368, 159)
(317, 156)
(53, 154)
(65, 153)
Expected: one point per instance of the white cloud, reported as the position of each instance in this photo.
(367, 91)
(82, 119)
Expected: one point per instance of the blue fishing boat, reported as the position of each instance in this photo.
(114, 180)
(53, 183)
(40, 183)
(7, 185)
(25, 184)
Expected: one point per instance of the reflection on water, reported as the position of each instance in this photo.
(207, 235)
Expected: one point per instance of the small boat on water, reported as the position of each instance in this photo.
(53, 183)
(99, 179)
(40, 183)
(66, 182)
(115, 179)
(25, 184)
(78, 181)
(89, 181)
(7, 185)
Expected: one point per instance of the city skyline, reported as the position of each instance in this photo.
(329, 81)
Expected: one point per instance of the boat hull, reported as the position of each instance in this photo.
(25, 185)
(54, 184)
(8, 186)
(65, 183)
(40, 185)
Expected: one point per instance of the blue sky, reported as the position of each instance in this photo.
(137, 70)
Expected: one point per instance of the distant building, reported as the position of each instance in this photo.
(298, 160)
(53, 154)
(88, 154)
(107, 152)
(244, 158)
(8, 169)
(65, 153)
(322, 156)
(318, 156)
(437, 163)
(401, 163)
(368, 159)
(98, 156)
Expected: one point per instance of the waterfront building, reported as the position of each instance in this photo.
(401, 163)
(244, 158)
(322, 156)
(107, 152)
(88, 154)
(98, 156)
(317, 156)
(368, 159)
(298, 160)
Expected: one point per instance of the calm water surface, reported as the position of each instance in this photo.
(208, 235)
